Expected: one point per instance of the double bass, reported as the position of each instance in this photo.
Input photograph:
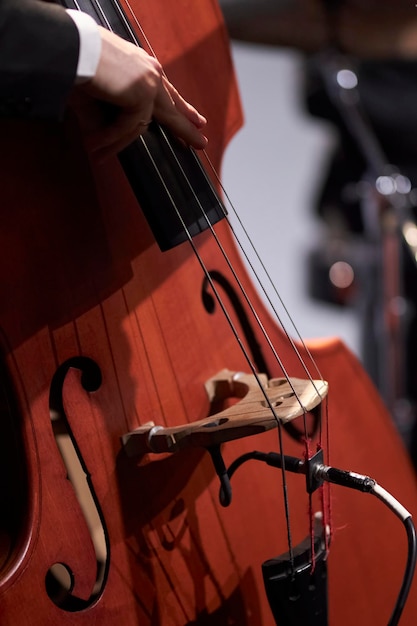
(113, 350)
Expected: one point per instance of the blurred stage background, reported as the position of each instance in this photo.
(275, 168)
(272, 170)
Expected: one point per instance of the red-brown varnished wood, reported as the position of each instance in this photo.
(82, 277)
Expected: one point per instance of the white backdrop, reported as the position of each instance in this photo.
(271, 170)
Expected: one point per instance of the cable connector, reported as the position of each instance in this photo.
(344, 478)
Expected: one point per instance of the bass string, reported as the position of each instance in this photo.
(224, 308)
(216, 293)
(325, 489)
(205, 217)
(107, 24)
(238, 241)
(243, 250)
(244, 230)
(227, 316)
(268, 277)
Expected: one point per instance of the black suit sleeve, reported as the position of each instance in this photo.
(39, 46)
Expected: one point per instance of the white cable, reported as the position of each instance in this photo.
(390, 501)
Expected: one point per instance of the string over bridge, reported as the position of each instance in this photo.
(261, 404)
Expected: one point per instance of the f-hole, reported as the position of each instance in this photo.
(209, 304)
(59, 579)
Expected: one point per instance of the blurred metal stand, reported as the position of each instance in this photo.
(387, 200)
(381, 256)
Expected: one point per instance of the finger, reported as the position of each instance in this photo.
(180, 120)
(185, 107)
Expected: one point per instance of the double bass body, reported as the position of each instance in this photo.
(102, 330)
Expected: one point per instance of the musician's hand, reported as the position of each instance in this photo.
(133, 81)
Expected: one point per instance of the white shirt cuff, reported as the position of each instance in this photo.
(90, 45)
